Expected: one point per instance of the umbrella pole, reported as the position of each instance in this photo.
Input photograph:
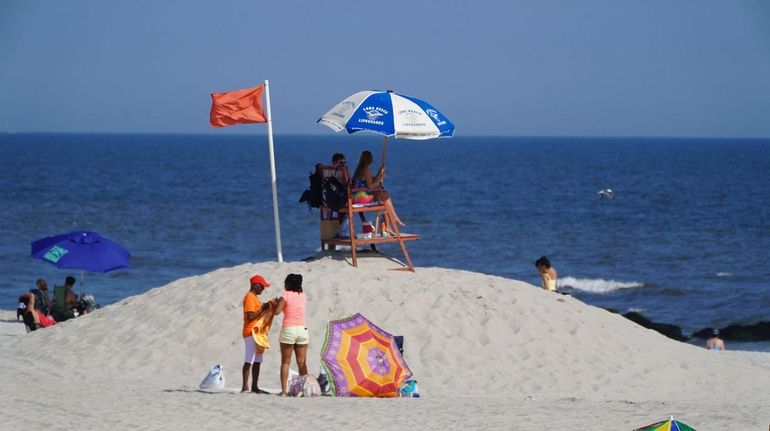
(384, 150)
(82, 275)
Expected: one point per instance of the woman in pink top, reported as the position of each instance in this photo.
(294, 334)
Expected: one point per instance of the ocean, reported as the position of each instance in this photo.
(684, 241)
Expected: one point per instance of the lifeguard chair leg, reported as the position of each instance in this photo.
(352, 233)
(394, 228)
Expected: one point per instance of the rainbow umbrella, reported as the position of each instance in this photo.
(667, 425)
(362, 360)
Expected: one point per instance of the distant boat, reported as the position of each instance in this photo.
(606, 194)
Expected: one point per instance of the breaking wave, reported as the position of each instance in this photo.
(597, 285)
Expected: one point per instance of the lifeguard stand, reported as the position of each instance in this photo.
(383, 218)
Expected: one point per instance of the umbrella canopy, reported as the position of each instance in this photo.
(362, 360)
(82, 250)
(667, 425)
(389, 114)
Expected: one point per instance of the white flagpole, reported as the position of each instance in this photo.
(272, 174)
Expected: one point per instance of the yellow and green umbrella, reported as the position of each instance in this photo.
(668, 425)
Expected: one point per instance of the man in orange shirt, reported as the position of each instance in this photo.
(253, 309)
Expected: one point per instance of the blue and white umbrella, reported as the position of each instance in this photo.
(389, 114)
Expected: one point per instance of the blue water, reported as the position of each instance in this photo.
(685, 241)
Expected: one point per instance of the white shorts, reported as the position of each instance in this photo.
(294, 335)
(251, 356)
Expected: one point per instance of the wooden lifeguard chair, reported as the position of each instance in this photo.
(383, 218)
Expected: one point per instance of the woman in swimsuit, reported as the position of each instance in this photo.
(547, 273)
(362, 178)
(715, 343)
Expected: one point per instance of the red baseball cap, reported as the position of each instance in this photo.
(257, 279)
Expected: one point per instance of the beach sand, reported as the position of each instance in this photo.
(488, 353)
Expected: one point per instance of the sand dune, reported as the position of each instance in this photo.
(488, 352)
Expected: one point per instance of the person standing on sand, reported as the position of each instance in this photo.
(253, 309)
(294, 334)
(547, 274)
(715, 343)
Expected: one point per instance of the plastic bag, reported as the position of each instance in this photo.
(304, 386)
(214, 380)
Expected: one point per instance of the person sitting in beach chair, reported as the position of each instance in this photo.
(367, 188)
(34, 318)
(338, 165)
(42, 300)
(65, 301)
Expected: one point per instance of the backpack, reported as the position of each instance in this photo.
(313, 195)
(335, 193)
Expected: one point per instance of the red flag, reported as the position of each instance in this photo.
(237, 107)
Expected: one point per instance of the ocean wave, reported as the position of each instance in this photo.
(724, 274)
(597, 285)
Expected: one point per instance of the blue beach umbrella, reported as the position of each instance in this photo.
(388, 114)
(81, 250)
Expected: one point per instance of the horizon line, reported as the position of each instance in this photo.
(658, 137)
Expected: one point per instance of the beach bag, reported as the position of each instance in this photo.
(335, 193)
(324, 383)
(410, 389)
(20, 309)
(313, 195)
(304, 386)
(87, 304)
(214, 380)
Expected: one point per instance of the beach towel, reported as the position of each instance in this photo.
(261, 329)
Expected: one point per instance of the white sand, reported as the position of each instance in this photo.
(488, 352)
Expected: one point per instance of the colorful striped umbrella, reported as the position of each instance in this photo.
(667, 425)
(362, 360)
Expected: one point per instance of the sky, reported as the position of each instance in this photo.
(658, 68)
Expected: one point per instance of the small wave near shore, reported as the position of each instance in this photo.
(597, 285)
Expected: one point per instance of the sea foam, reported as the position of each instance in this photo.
(598, 285)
